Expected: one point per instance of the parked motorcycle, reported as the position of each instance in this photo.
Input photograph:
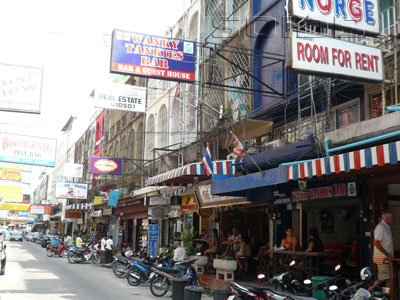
(61, 251)
(161, 278)
(86, 253)
(141, 271)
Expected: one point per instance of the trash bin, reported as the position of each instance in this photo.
(319, 294)
(221, 294)
(178, 285)
(193, 292)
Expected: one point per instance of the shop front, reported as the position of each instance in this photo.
(133, 223)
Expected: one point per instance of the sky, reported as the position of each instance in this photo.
(71, 41)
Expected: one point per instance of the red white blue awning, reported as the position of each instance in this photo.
(346, 162)
(80, 206)
(183, 175)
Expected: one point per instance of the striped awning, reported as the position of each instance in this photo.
(346, 162)
(184, 175)
(80, 206)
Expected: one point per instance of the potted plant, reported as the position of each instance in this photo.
(192, 249)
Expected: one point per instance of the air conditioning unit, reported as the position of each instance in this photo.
(273, 144)
(132, 193)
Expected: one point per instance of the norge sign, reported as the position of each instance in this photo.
(359, 15)
(317, 54)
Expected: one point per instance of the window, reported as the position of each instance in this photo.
(237, 12)
(139, 142)
(347, 116)
(163, 126)
(150, 136)
(377, 102)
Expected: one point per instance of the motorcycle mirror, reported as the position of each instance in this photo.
(337, 268)
(198, 253)
(348, 282)
(307, 281)
(261, 276)
(292, 263)
(333, 288)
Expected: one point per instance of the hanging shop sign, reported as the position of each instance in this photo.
(121, 97)
(97, 213)
(23, 214)
(20, 88)
(27, 149)
(361, 15)
(152, 56)
(105, 165)
(160, 201)
(73, 214)
(71, 190)
(11, 174)
(206, 199)
(320, 192)
(107, 211)
(37, 209)
(73, 170)
(316, 54)
(11, 193)
(13, 206)
(189, 203)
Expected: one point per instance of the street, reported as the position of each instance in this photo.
(30, 274)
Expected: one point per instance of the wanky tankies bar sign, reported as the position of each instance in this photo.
(152, 56)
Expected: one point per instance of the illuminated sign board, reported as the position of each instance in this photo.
(20, 88)
(27, 149)
(71, 190)
(11, 174)
(121, 97)
(12, 206)
(361, 15)
(152, 56)
(105, 165)
(325, 56)
(73, 214)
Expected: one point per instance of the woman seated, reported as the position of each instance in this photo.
(241, 252)
(314, 245)
(214, 243)
(263, 252)
(290, 242)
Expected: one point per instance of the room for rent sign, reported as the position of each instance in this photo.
(316, 54)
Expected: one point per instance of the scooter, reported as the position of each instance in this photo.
(161, 278)
(61, 251)
(86, 253)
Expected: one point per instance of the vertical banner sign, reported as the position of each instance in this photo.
(120, 238)
(20, 88)
(154, 232)
(152, 56)
(113, 198)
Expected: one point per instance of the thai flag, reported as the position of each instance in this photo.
(207, 162)
(239, 148)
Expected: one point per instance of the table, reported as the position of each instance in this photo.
(310, 267)
(394, 264)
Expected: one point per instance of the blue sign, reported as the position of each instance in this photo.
(113, 198)
(154, 233)
(23, 214)
(152, 56)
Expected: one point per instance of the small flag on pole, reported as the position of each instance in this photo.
(207, 162)
(239, 148)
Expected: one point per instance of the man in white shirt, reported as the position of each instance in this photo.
(109, 249)
(179, 255)
(383, 247)
(103, 250)
(68, 240)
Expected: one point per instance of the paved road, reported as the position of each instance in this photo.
(31, 275)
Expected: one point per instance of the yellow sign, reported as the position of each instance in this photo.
(189, 203)
(11, 174)
(75, 214)
(98, 200)
(12, 206)
(11, 193)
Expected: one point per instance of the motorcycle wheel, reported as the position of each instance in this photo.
(64, 253)
(73, 258)
(159, 286)
(49, 253)
(132, 280)
(96, 259)
(120, 270)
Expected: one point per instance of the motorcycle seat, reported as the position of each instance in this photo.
(169, 271)
(254, 289)
(143, 264)
(186, 262)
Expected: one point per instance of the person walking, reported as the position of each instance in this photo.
(103, 250)
(383, 247)
(179, 255)
(109, 249)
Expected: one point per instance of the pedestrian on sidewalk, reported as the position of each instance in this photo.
(383, 248)
(103, 250)
(109, 249)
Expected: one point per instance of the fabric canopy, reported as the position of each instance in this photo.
(185, 174)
